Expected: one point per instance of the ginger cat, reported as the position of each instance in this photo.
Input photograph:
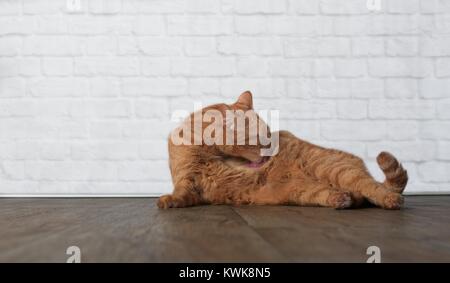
(300, 174)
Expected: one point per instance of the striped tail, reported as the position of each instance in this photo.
(396, 176)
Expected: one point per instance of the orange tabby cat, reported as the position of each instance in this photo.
(300, 174)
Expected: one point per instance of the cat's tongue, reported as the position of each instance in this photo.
(256, 164)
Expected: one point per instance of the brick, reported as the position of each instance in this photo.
(53, 151)
(59, 87)
(367, 88)
(10, 46)
(199, 46)
(352, 109)
(350, 68)
(336, 46)
(12, 87)
(144, 171)
(51, 24)
(154, 87)
(203, 67)
(403, 6)
(300, 47)
(384, 24)
(8, 67)
(400, 67)
(260, 87)
(10, 7)
(443, 67)
(145, 130)
(354, 130)
(105, 6)
(155, 66)
(52, 108)
(334, 88)
(300, 26)
(105, 130)
(203, 6)
(17, 108)
(401, 88)
(354, 25)
(434, 88)
(434, 130)
(88, 25)
(315, 109)
(25, 128)
(17, 25)
(435, 46)
(101, 45)
(104, 87)
(405, 151)
(303, 7)
(203, 86)
(323, 68)
(13, 170)
(249, 67)
(117, 66)
(443, 109)
(249, 46)
(57, 66)
(26, 150)
(430, 6)
(154, 7)
(72, 128)
(435, 171)
(109, 108)
(335, 7)
(152, 150)
(149, 25)
(200, 25)
(402, 130)
(29, 66)
(52, 45)
(301, 88)
(105, 150)
(260, 6)
(304, 129)
(250, 25)
(160, 45)
(401, 109)
(128, 45)
(368, 46)
(151, 108)
(43, 7)
(402, 46)
(290, 68)
(71, 171)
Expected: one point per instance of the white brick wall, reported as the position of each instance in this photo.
(85, 96)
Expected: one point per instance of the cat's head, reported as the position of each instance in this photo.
(229, 129)
(247, 128)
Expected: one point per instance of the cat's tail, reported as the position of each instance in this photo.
(396, 176)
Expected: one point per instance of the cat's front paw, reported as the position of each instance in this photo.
(340, 200)
(168, 201)
(392, 201)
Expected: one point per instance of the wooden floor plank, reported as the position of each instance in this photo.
(419, 232)
(134, 230)
(129, 230)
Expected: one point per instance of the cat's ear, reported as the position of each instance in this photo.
(246, 99)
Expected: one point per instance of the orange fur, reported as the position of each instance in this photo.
(300, 174)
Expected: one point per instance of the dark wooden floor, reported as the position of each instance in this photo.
(134, 230)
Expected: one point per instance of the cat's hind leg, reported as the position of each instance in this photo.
(318, 194)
